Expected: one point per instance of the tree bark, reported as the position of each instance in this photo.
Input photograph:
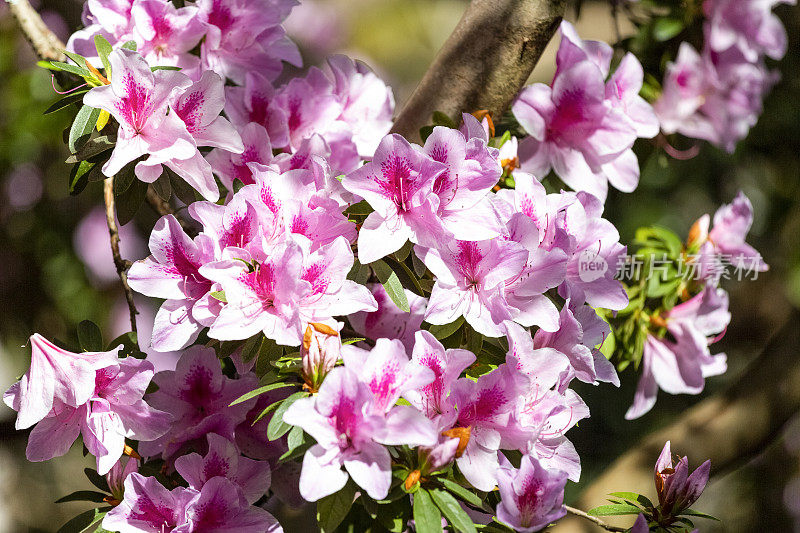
(44, 42)
(484, 63)
(729, 428)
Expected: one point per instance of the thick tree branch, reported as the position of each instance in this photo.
(44, 42)
(113, 234)
(594, 519)
(485, 61)
(729, 428)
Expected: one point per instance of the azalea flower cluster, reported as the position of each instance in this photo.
(308, 201)
(717, 94)
(677, 357)
(584, 124)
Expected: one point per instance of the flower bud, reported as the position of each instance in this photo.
(677, 489)
(321, 348)
(117, 475)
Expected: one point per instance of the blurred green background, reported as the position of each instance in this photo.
(55, 267)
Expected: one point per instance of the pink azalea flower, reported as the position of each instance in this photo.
(165, 35)
(398, 184)
(680, 362)
(55, 376)
(350, 433)
(245, 36)
(223, 459)
(389, 321)
(251, 103)
(110, 18)
(531, 497)
(434, 399)
(732, 223)
(138, 98)
(748, 25)
(94, 394)
(486, 407)
(367, 102)
(221, 507)
(172, 273)
(472, 170)
(236, 225)
(232, 166)
(198, 396)
(264, 299)
(470, 282)
(149, 507)
(582, 127)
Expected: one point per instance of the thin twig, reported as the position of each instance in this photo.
(607, 527)
(113, 234)
(164, 208)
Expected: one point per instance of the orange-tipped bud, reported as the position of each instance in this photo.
(130, 452)
(462, 434)
(97, 74)
(412, 479)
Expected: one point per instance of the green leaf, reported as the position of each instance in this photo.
(93, 148)
(462, 492)
(104, 48)
(130, 45)
(86, 522)
(407, 278)
(259, 391)
(79, 177)
(332, 509)
(89, 336)
(698, 514)
(392, 284)
(130, 201)
(442, 119)
(82, 127)
(444, 331)
(644, 501)
(164, 67)
(219, 295)
(354, 340)
(96, 479)
(268, 352)
(182, 190)
(425, 132)
(267, 410)
(427, 516)
(295, 437)
(665, 29)
(614, 510)
(124, 179)
(72, 69)
(77, 58)
(130, 345)
(65, 102)
(162, 187)
(277, 428)
(361, 208)
(83, 496)
(452, 511)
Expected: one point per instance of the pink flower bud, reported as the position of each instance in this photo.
(321, 349)
(117, 475)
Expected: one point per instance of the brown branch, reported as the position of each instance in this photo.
(484, 62)
(44, 42)
(587, 516)
(113, 234)
(729, 428)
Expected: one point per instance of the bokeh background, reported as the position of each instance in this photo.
(56, 268)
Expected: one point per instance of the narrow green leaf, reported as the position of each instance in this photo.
(65, 102)
(89, 336)
(331, 510)
(130, 45)
(665, 29)
(462, 492)
(82, 127)
(352, 341)
(427, 516)
(277, 428)
(72, 69)
(392, 284)
(452, 511)
(83, 496)
(443, 119)
(267, 410)
(96, 479)
(268, 352)
(104, 48)
(130, 201)
(79, 177)
(124, 179)
(162, 187)
(259, 391)
(182, 190)
(361, 208)
(295, 437)
(164, 67)
(251, 347)
(86, 522)
(219, 295)
(634, 498)
(93, 148)
(76, 58)
(614, 510)
(407, 278)
(444, 331)
(425, 132)
(698, 514)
